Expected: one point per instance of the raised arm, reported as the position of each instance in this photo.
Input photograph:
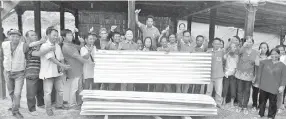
(42, 52)
(137, 19)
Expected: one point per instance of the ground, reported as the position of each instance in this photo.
(74, 114)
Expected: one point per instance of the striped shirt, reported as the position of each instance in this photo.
(33, 63)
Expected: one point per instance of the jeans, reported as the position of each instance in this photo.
(217, 84)
(73, 86)
(15, 84)
(229, 83)
(243, 92)
(88, 84)
(126, 87)
(255, 92)
(141, 87)
(34, 90)
(280, 100)
(48, 86)
(264, 96)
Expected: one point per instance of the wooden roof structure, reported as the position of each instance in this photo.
(270, 17)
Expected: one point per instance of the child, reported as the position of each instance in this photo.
(88, 70)
(229, 80)
(140, 44)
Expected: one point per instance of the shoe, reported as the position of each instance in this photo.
(50, 112)
(75, 107)
(238, 110)
(65, 102)
(245, 111)
(34, 113)
(10, 109)
(42, 106)
(62, 108)
(279, 111)
(253, 109)
(18, 115)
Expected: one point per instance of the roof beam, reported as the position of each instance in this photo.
(8, 6)
(220, 4)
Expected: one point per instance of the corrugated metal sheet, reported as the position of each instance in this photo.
(152, 67)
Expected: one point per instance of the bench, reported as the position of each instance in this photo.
(150, 68)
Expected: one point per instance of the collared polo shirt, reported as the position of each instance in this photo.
(127, 45)
(48, 68)
(70, 53)
(13, 61)
(152, 32)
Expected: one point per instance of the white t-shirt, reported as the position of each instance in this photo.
(88, 70)
(48, 68)
(283, 59)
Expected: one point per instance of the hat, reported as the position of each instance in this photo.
(14, 31)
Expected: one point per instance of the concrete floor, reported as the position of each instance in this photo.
(74, 114)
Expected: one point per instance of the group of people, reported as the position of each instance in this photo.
(51, 63)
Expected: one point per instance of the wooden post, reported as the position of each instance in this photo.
(175, 23)
(131, 15)
(249, 20)
(212, 26)
(62, 16)
(20, 12)
(2, 80)
(282, 36)
(76, 21)
(190, 19)
(37, 17)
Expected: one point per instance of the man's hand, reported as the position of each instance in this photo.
(281, 89)
(81, 40)
(137, 11)
(91, 30)
(75, 30)
(164, 31)
(43, 40)
(65, 66)
(113, 27)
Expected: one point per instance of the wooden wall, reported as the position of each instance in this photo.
(97, 20)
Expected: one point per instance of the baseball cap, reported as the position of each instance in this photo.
(14, 31)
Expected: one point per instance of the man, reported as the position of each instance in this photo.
(74, 59)
(103, 38)
(148, 30)
(185, 45)
(14, 64)
(33, 83)
(201, 44)
(217, 72)
(113, 45)
(128, 45)
(51, 70)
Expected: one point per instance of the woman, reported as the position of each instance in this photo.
(264, 53)
(147, 46)
(229, 81)
(140, 44)
(245, 73)
(271, 81)
(280, 104)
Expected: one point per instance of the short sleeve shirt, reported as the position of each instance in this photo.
(152, 32)
(48, 68)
